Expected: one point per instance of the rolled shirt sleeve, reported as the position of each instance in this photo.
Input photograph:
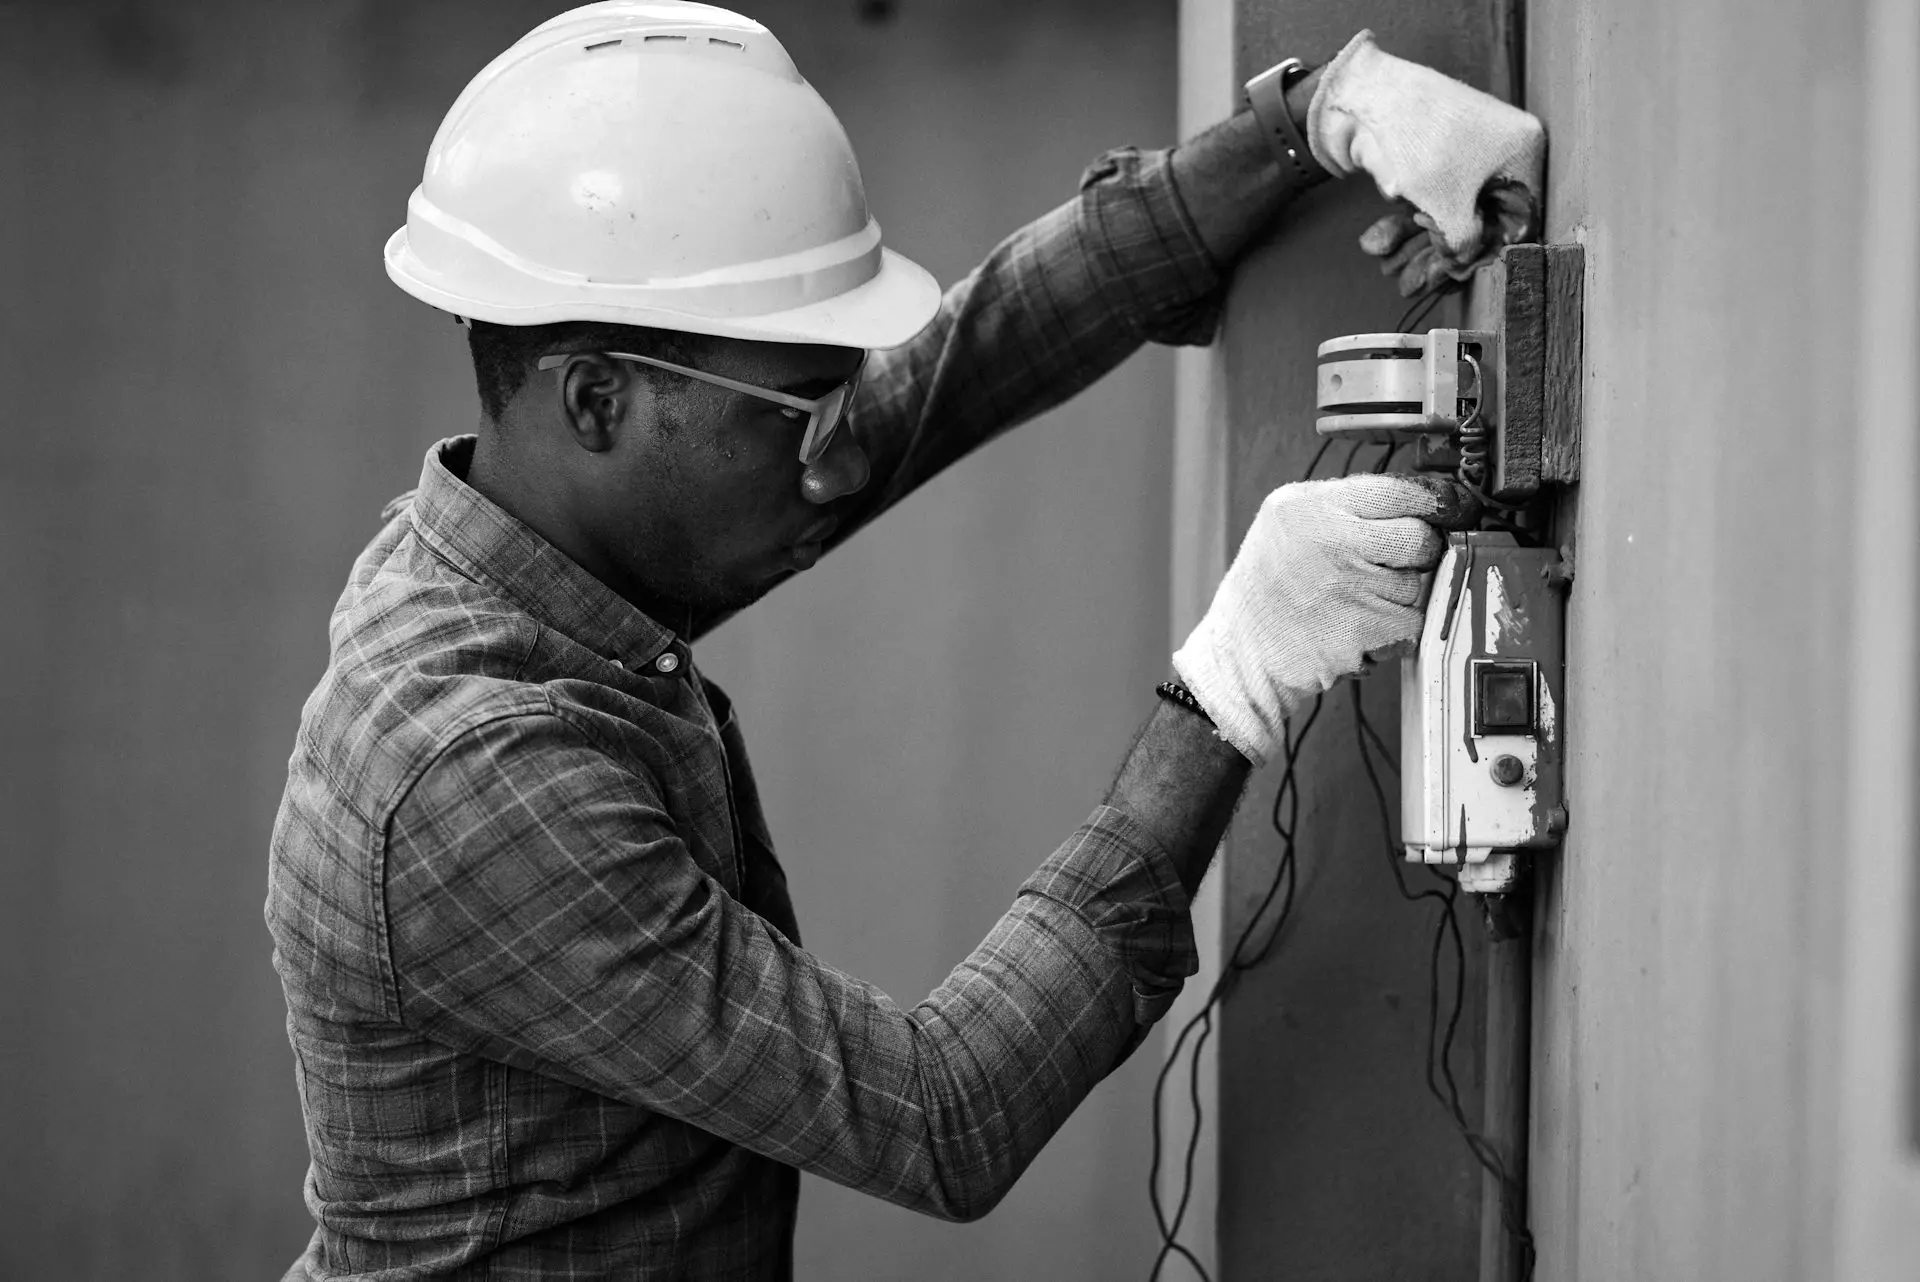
(1052, 308)
(542, 911)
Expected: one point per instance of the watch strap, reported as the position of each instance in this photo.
(1267, 97)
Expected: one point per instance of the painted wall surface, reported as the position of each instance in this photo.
(1335, 1161)
(210, 388)
(1709, 157)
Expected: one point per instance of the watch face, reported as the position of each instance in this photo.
(1281, 73)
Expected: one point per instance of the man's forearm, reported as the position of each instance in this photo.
(1181, 782)
(1232, 184)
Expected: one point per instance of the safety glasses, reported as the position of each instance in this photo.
(824, 414)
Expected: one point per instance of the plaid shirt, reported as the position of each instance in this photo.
(549, 1009)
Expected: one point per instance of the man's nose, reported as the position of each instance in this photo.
(840, 471)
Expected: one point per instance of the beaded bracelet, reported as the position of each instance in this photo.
(1174, 692)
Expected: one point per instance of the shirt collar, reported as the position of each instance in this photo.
(486, 543)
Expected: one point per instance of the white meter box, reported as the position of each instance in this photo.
(1481, 721)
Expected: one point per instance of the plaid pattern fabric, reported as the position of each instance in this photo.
(548, 1005)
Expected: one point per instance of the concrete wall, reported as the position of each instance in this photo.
(1709, 157)
(1877, 1194)
(1694, 949)
(209, 388)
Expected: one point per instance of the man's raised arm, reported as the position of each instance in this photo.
(1143, 251)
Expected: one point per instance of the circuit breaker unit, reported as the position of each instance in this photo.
(1380, 387)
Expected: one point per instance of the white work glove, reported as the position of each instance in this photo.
(1329, 572)
(1470, 165)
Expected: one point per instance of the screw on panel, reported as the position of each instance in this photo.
(1558, 573)
(1508, 770)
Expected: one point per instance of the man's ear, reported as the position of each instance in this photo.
(596, 396)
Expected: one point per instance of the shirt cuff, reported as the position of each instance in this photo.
(1145, 249)
(1118, 879)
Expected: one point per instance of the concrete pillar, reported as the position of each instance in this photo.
(1323, 1154)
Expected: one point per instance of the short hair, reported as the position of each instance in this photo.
(504, 355)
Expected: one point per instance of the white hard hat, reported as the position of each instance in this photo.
(654, 163)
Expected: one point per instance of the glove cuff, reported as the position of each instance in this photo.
(1229, 696)
(1331, 124)
(1205, 681)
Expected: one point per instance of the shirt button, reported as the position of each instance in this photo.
(667, 662)
(616, 663)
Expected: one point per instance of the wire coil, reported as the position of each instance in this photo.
(1473, 433)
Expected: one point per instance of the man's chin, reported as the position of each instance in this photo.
(789, 562)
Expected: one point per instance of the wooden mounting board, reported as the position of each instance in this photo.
(1531, 298)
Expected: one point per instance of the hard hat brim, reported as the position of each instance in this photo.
(885, 311)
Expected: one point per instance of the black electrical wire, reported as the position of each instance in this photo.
(1284, 883)
(1440, 1056)
(1318, 454)
(1386, 754)
(1440, 1080)
(1423, 304)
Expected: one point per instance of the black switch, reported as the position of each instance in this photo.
(1503, 698)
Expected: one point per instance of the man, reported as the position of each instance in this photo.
(549, 1009)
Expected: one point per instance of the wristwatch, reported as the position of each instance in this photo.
(1267, 97)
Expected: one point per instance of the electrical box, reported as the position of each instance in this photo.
(1480, 712)
(1494, 402)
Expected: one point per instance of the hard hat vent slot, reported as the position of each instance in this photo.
(604, 44)
(731, 44)
(651, 39)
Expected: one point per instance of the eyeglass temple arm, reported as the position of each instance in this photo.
(766, 393)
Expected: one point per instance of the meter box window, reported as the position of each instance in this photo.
(1503, 698)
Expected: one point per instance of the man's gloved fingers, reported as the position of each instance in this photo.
(1425, 272)
(1467, 240)
(1383, 495)
(1397, 650)
(1511, 206)
(1420, 261)
(1462, 239)
(1389, 233)
(1439, 500)
(1404, 543)
(1454, 505)
(1404, 588)
(1396, 630)
(1411, 248)
(1508, 213)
